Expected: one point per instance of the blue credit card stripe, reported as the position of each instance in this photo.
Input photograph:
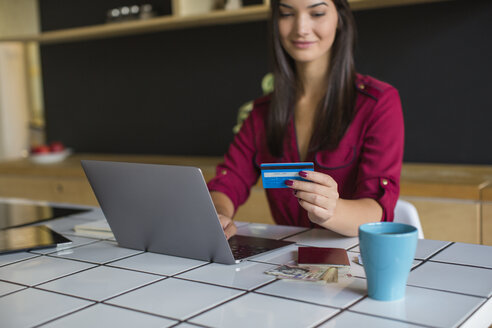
(274, 175)
(280, 174)
(288, 164)
(268, 168)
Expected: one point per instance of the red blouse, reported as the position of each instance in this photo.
(366, 164)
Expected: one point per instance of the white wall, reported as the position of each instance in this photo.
(14, 110)
(20, 96)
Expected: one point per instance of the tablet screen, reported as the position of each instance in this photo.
(18, 214)
(27, 238)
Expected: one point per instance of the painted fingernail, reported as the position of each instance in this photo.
(289, 182)
(303, 174)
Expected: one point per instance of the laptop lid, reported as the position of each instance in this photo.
(159, 208)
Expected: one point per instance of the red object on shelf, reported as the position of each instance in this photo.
(40, 149)
(56, 146)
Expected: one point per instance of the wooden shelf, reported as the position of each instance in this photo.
(163, 23)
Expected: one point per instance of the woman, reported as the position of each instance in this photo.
(321, 111)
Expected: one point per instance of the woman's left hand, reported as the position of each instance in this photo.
(318, 196)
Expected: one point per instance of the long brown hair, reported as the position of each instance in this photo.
(337, 108)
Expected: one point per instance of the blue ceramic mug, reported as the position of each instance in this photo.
(387, 251)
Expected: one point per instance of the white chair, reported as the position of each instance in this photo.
(406, 213)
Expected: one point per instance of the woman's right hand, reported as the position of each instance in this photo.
(228, 225)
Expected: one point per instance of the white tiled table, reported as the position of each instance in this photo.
(95, 283)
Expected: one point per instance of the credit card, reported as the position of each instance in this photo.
(274, 175)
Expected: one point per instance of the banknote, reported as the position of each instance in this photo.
(305, 273)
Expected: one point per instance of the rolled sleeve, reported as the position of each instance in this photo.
(380, 167)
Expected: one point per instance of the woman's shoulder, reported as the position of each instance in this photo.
(261, 106)
(263, 102)
(253, 111)
(371, 87)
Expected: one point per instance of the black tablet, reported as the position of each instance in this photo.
(14, 214)
(28, 238)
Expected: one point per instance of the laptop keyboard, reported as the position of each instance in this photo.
(243, 251)
(246, 246)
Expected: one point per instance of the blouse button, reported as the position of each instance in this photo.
(223, 172)
(384, 182)
(362, 86)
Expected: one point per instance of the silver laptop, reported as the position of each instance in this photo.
(167, 209)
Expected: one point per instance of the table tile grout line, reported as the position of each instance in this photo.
(190, 323)
(22, 260)
(86, 261)
(124, 307)
(392, 319)
(350, 249)
(172, 318)
(439, 251)
(216, 306)
(461, 264)
(32, 251)
(94, 302)
(135, 270)
(255, 291)
(88, 299)
(330, 318)
(112, 305)
(473, 312)
(198, 325)
(96, 265)
(63, 294)
(262, 262)
(68, 259)
(448, 291)
(140, 252)
(64, 276)
(62, 316)
(252, 291)
(205, 264)
(109, 265)
(138, 310)
(14, 283)
(15, 291)
(429, 259)
(266, 284)
(347, 309)
(430, 256)
(134, 289)
(191, 269)
(297, 300)
(295, 234)
(210, 284)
